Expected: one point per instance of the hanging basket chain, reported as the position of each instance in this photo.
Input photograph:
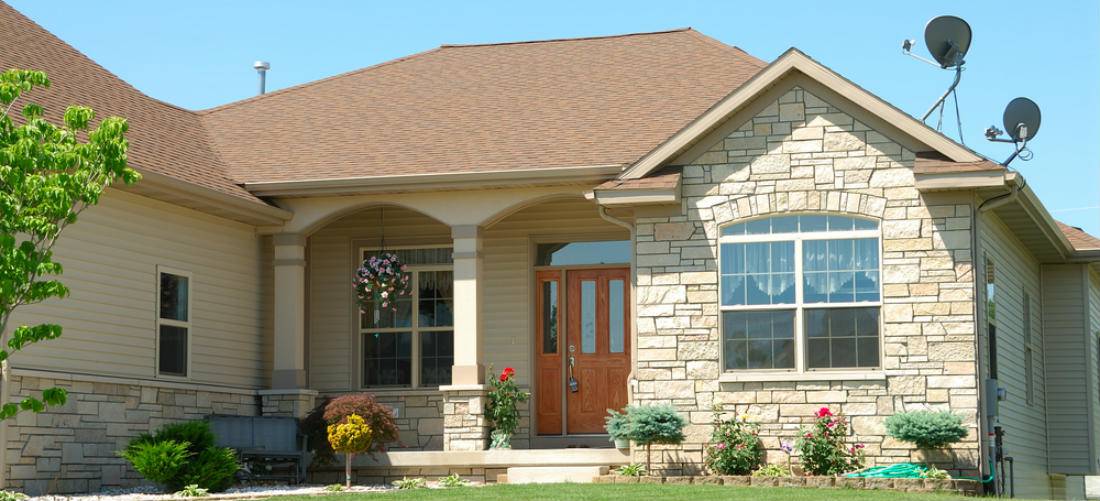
(382, 277)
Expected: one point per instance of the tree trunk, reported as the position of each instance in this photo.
(347, 469)
(648, 461)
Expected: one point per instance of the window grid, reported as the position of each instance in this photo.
(414, 328)
(177, 326)
(799, 307)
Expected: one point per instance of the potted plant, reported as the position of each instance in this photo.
(617, 425)
(655, 424)
(502, 410)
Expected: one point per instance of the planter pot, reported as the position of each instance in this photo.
(622, 443)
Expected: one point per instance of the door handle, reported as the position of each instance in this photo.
(573, 385)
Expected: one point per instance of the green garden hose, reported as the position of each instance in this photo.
(897, 470)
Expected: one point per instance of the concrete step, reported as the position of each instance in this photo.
(554, 474)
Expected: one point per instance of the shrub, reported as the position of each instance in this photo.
(655, 424)
(617, 425)
(12, 496)
(214, 469)
(451, 481)
(934, 473)
(192, 491)
(772, 470)
(822, 447)
(181, 454)
(735, 447)
(410, 483)
(379, 417)
(631, 470)
(335, 488)
(926, 429)
(501, 410)
(159, 462)
(350, 436)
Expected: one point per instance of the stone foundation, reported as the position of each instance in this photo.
(289, 403)
(72, 449)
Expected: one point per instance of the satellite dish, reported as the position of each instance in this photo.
(1021, 119)
(948, 40)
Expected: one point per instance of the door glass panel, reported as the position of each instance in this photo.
(615, 324)
(588, 316)
(550, 316)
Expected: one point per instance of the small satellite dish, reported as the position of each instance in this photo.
(1021, 119)
(948, 40)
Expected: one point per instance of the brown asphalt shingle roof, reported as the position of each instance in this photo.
(934, 163)
(513, 106)
(1078, 238)
(163, 138)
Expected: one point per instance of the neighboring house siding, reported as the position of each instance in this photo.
(110, 257)
(1093, 386)
(1017, 272)
(1064, 323)
(800, 153)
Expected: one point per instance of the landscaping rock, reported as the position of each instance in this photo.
(765, 481)
(791, 481)
(678, 480)
(850, 483)
(879, 483)
(737, 480)
(821, 482)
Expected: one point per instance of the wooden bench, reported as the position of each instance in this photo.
(266, 445)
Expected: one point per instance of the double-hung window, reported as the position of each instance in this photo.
(800, 292)
(410, 344)
(173, 322)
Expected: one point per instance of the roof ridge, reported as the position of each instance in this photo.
(714, 41)
(568, 39)
(311, 83)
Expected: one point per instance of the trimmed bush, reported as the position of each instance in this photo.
(822, 447)
(182, 454)
(333, 410)
(927, 429)
(617, 425)
(655, 424)
(159, 462)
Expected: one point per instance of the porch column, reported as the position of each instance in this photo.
(290, 312)
(468, 369)
(464, 425)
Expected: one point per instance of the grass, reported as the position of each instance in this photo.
(628, 492)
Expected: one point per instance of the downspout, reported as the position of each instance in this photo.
(984, 425)
(633, 301)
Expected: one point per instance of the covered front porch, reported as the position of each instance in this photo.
(496, 278)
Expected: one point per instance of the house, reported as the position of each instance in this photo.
(661, 217)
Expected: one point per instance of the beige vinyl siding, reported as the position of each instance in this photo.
(506, 268)
(1064, 322)
(1017, 271)
(508, 258)
(110, 259)
(1093, 377)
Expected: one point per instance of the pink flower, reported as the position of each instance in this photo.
(720, 446)
(823, 412)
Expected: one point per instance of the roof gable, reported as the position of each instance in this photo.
(795, 62)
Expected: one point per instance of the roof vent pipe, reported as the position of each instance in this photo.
(261, 68)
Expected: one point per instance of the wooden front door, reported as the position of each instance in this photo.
(582, 336)
(597, 348)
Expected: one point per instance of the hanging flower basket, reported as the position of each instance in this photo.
(381, 279)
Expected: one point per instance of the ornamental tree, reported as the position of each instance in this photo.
(350, 436)
(48, 175)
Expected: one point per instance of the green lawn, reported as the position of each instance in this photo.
(638, 492)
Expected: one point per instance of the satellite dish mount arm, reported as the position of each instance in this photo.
(958, 63)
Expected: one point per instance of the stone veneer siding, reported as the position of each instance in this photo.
(801, 154)
(72, 449)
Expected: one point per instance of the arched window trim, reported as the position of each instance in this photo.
(799, 305)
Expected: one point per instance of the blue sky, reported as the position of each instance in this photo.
(199, 53)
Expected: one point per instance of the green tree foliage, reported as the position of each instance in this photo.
(926, 429)
(48, 175)
(655, 424)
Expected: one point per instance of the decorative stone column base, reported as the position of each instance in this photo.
(465, 427)
(292, 403)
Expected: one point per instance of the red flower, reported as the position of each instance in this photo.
(824, 411)
(507, 374)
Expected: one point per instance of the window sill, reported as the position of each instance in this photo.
(757, 377)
